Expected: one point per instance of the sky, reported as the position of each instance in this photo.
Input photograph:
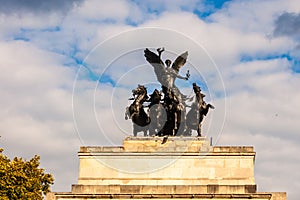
(68, 68)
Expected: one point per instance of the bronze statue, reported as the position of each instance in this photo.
(157, 113)
(174, 113)
(166, 75)
(174, 100)
(167, 113)
(136, 111)
(199, 109)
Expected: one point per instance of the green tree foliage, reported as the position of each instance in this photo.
(21, 179)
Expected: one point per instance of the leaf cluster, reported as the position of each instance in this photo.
(21, 179)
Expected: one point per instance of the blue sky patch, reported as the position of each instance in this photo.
(21, 38)
(295, 63)
(211, 7)
(106, 79)
(296, 66)
(248, 58)
(216, 3)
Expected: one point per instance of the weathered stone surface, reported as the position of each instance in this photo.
(179, 161)
(183, 167)
(159, 189)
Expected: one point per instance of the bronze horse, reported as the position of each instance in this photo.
(199, 109)
(136, 111)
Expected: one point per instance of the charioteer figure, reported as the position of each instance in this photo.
(166, 115)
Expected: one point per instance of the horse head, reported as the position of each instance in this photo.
(141, 93)
(139, 90)
(155, 97)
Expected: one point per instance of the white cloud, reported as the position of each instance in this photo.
(36, 115)
(103, 10)
(36, 87)
(250, 16)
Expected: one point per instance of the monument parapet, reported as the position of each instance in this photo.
(181, 167)
(168, 162)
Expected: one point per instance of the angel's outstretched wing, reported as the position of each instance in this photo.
(156, 62)
(180, 61)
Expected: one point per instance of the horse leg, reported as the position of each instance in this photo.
(145, 132)
(126, 113)
(134, 131)
(199, 130)
(180, 124)
(176, 124)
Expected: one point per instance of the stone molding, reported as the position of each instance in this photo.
(180, 168)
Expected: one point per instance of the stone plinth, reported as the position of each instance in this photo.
(180, 161)
(180, 167)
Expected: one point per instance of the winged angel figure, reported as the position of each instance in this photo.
(167, 75)
(173, 102)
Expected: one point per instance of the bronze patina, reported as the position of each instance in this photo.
(166, 115)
